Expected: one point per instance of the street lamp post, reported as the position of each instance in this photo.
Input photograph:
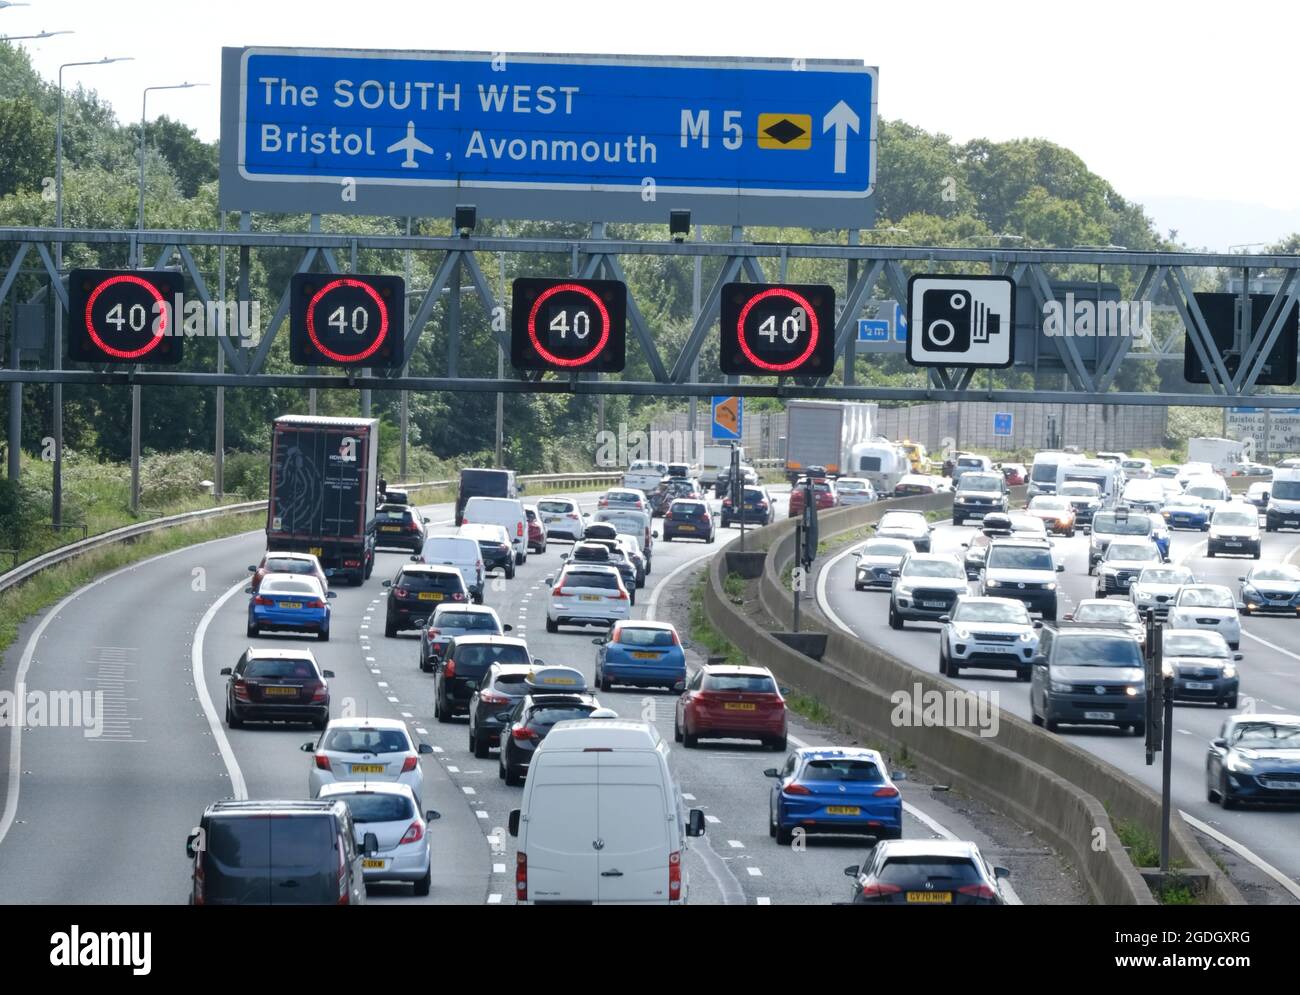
(144, 103)
(56, 363)
(43, 34)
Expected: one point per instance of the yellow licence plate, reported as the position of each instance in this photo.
(590, 597)
(686, 528)
(370, 864)
(390, 528)
(367, 768)
(930, 897)
(430, 595)
(843, 810)
(645, 656)
(315, 551)
(290, 604)
(285, 691)
(739, 706)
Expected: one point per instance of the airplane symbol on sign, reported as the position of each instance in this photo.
(410, 145)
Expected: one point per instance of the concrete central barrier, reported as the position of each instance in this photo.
(1042, 781)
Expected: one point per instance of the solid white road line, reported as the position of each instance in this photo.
(666, 582)
(1244, 852)
(238, 786)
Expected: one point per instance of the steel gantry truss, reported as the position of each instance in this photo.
(872, 272)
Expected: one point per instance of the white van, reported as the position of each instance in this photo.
(459, 552)
(1106, 474)
(630, 522)
(602, 819)
(506, 512)
(1042, 474)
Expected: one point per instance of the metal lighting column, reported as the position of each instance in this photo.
(135, 449)
(15, 408)
(697, 278)
(501, 368)
(404, 415)
(798, 563)
(219, 429)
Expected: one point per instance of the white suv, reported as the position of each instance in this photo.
(1234, 528)
(988, 634)
(587, 594)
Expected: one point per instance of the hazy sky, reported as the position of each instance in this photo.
(1173, 104)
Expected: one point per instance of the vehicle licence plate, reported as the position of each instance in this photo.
(371, 864)
(739, 706)
(1099, 716)
(390, 528)
(933, 604)
(1199, 686)
(282, 691)
(843, 810)
(367, 768)
(430, 595)
(589, 597)
(645, 656)
(1291, 521)
(930, 897)
(686, 528)
(1284, 785)
(1232, 544)
(290, 604)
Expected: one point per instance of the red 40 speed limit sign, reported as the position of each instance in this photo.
(773, 329)
(568, 325)
(347, 320)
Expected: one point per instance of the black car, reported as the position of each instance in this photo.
(687, 519)
(268, 685)
(463, 666)
(496, 550)
(926, 872)
(670, 489)
(1255, 758)
(452, 620)
(277, 853)
(399, 527)
(484, 482)
(757, 508)
(553, 695)
(978, 494)
(502, 686)
(415, 593)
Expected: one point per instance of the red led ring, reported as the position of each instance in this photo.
(339, 357)
(798, 299)
(545, 353)
(149, 346)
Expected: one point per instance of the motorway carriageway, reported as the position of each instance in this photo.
(104, 820)
(1270, 675)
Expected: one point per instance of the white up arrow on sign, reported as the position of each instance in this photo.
(841, 118)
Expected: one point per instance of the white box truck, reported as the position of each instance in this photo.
(822, 433)
(1222, 454)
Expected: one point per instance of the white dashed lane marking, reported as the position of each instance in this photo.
(754, 872)
(494, 900)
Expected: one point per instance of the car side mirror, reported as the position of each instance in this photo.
(1219, 744)
(564, 556)
(370, 844)
(432, 815)
(224, 671)
(425, 520)
(512, 824)
(1238, 657)
(851, 871)
(1038, 623)
(771, 772)
(1060, 568)
(965, 545)
(1242, 579)
(1069, 616)
(415, 559)
(599, 641)
(248, 590)
(331, 594)
(1002, 873)
(388, 583)
(945, 618)
(894, 572)
(327, 674)
(252, 570)
(1241, 606)
(190, 840)
(308, 747)
(898, 775)
(507, 628)
(654, 535)
(695, 822)
(424, 749)
(1038, 660)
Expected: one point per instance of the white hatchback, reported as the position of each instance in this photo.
(391, 812)
(366, 749)
(561, 517)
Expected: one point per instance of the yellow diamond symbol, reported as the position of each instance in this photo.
(784, 131)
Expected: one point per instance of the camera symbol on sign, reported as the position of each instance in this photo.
(953, 321)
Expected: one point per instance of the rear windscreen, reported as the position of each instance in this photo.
(484, 656)
(548, 715)
(367, 741)
(869, 464)
(288, 587)
(430, 581)
(275, 566)
(645, 637)
(945, 873)
(469, 621)
(240, 841)
(608, 582)
(379, 808)
(554, 507)
(739, 682)
(841, 770)
(273, 669)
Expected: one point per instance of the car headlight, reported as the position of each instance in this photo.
(961, 633)
(993, 583)
(904, 590)
(1062, 687)
(1050, 587)
(1131, 691)
(1229, 671)
(1236, 763)
(1028, 636)
(1111, 571)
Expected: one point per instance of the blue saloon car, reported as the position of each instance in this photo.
(835, 789)
(644, 654)
(289, 603)
(1256, 758)
(1183, 511)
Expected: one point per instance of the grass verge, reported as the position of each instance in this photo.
(51, 585)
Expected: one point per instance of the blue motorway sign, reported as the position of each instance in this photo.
(728, 420)
(599, 138)
(873, 330)
(1002, 421)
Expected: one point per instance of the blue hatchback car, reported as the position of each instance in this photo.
(835, 789)
(1186, 512)
(289, 603)
(644, 654)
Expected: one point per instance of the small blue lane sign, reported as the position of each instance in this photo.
(1002, 423)
(873, 330)
(900, 323)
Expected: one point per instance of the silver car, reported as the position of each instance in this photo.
(854, 490)
(391, 812)
(877, 559)
(361, 750)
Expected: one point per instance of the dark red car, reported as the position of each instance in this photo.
(536, 531)
(723, 701)
(1014, 473)
(824, 491)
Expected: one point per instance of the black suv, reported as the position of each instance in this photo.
(1088, 675)
(553, 695)
(978, 493)
(464, 664)
(277, 853)
(399, 527)
(756, 508)
(266, 685)
(416, 592)
(502, 686)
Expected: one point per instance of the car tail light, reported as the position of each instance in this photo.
(888, 791)
(260, 600)
(572, 516)
(762, 505)
(432, 632)
(726, 502)
(458, 597)
(677, 640)
(414, 833)
(322, 762)
(343, 871)
(321, 693)
(879, 890)
(241, 690)
(409, 764)
(795, 789)
(493, 698)
(449, 667)
(977, 891)
(198, 879)
(522, 732)
(519, 528)
(352, 563)
(401, 592)
(559, 592)
(622, 595)
(674, 875)
(521, 877)
(668, 516)
(315, 603)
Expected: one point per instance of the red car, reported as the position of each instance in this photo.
(1014, 473)
(729, 702)
(536, 531)
(289, 563)
(824, 491)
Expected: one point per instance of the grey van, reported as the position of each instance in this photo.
(277, 853)
(1088, 674)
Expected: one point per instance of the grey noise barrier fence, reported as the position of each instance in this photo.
(1041, 781)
